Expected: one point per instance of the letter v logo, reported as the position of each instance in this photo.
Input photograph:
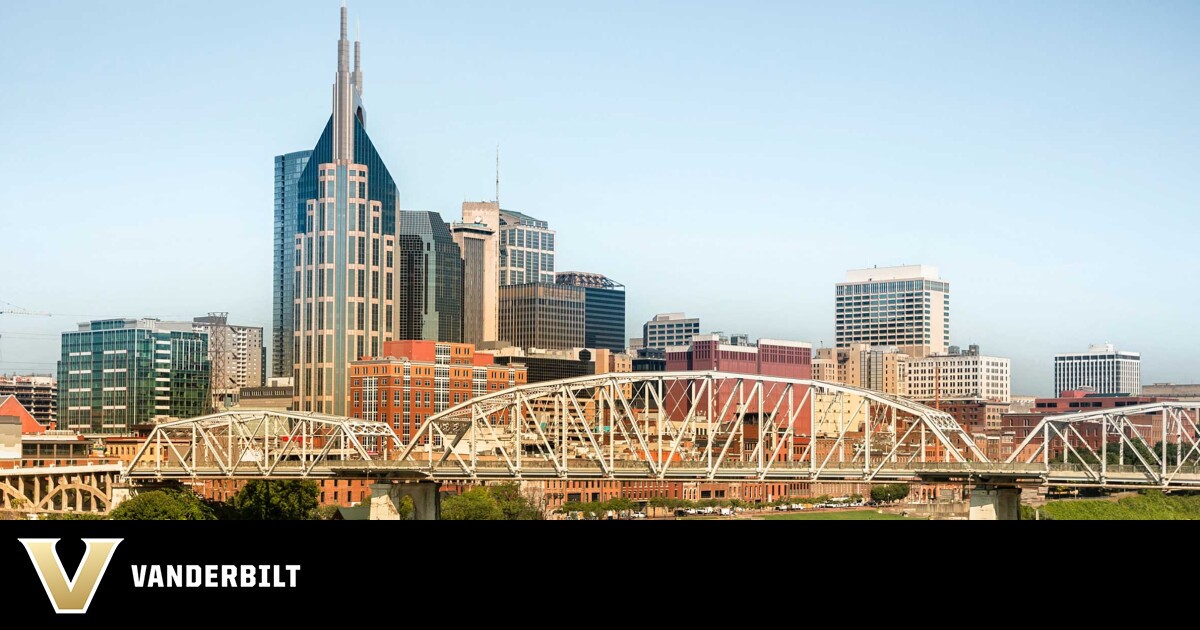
(71, 597)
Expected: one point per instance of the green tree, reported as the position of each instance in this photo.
(889, 493)
(516, 506)
(281, 500)
(72, 516)
(164, 505)
(620, 504)
(476, 504)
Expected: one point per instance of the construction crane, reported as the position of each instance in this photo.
(13, 309)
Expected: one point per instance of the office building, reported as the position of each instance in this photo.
(478, 240)
(234, 355)
(429, 288)
(38, 394)
(526, 249)
(768, 357)
(975, 415)
(635, 344)
(117, 373)
(539, 315)
(412, 380)
(1189, 393)
(879, 368)
(346, 252)
(548, 365)
(650, 360)
(288, 168)
(960, 375)
(603, 309)
(907, 307)
(669, 329)
(276, 394)
(1103, 369)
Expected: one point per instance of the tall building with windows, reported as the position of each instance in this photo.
(526, 249)
(880, 368)
(669, 329)
(116, 373)
(38, 394)
(960, 375)
(603, 309)
(412, 380)
(288, 169)
(907, 307)
(345, 249)
(1102, 369)
(429, 290)
(234, 354)
(479, 242)
(539, 315)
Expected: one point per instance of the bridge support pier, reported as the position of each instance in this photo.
(426, 498)
(995, 503)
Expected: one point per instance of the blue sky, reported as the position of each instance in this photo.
(730, 160)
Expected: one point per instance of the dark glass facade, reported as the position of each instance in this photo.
(117, 373)
(542, 369)
(603, 310)
(430, 280)
(380, 187)
(546, 316)
(288, 169)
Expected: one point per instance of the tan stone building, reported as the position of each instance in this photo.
(879, 368)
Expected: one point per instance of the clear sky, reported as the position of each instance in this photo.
(727, 159)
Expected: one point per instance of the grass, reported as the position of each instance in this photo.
(857, 515)
(1148, 506)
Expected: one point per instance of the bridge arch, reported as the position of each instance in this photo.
(98, 496)
(8, 494)
(702, 425)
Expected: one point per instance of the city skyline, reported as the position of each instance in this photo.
(1029, 302)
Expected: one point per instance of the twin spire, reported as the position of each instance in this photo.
(347, 95)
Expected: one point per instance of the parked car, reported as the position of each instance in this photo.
(726, 512)
(638, 515)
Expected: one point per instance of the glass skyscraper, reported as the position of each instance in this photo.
(526, 249)
(288, 168)
(603, 309)
(430, 287)
(116, 373)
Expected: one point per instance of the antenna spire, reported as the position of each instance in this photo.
(497, 176)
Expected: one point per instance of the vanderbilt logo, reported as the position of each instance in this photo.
(72, 596)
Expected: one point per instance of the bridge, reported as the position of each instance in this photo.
(59, 489)
(681, 426)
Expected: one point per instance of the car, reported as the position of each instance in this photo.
(782, 508)
(726, 512)
(691, 511)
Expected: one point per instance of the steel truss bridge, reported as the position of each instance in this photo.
(681, 426)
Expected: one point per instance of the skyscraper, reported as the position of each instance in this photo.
(345, 249)
(288, 168)
(907, 307)
(429, 299)
(669, 329)
(603, 309)
(115, 373)
(526, 249)
(479, 242)
(540, 315)
(235, 355)
(1103, 369)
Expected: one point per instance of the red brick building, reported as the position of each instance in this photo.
(1019, 425)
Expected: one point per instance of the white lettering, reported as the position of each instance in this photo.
(156, 577)
(139, 576)
(292, 570)
(174, 576)
(277, 583)
(193, 575)
(210, 575)
(229, 574)
(247, 575)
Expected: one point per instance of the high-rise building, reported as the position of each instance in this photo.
(429, 298)
(879, 368)
(526, 249)
(907, 307)
(38, 394)
(478, 241)
(548, 365)
(288, 169)
(234, 354)
(1102, 369)
(346, 251)
(116, 373)
(669, 329)
(603, 309)
(412, 380)
(540, 315)
(960, 375)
